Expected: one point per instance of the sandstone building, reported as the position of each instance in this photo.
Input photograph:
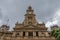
(55, 27)
(30, 29)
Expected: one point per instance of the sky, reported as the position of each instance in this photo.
(47, 11)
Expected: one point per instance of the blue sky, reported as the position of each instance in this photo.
(14, 10)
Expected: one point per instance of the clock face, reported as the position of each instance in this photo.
(29, 12)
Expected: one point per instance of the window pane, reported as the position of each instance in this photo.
(23, 33)
(30, 33)
(36, 33)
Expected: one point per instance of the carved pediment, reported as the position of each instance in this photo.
(29, 26)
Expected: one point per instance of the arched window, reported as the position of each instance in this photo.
(30, 18)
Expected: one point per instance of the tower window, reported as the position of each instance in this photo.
(36, 33)
(30, 34)
(30, 20)
(29, 17)
(23, 33)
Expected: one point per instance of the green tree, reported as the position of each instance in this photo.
(56, 34)
(58, 38)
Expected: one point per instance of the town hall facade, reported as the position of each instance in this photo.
(29, 29)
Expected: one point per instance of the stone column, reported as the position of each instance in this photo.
(21, 33)
(26, 33)
(34, 33)
(46, 34)
(39, 33)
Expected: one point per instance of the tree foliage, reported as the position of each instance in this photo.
(56, 34)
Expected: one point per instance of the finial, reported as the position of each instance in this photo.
(30, 8)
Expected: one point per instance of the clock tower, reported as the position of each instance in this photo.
(30, 17)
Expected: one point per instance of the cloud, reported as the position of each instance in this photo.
(49, 23)
(45, 10)
(55, 19)
(0, 14)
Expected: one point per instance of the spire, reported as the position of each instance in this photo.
(29, 8)
(30, 17)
